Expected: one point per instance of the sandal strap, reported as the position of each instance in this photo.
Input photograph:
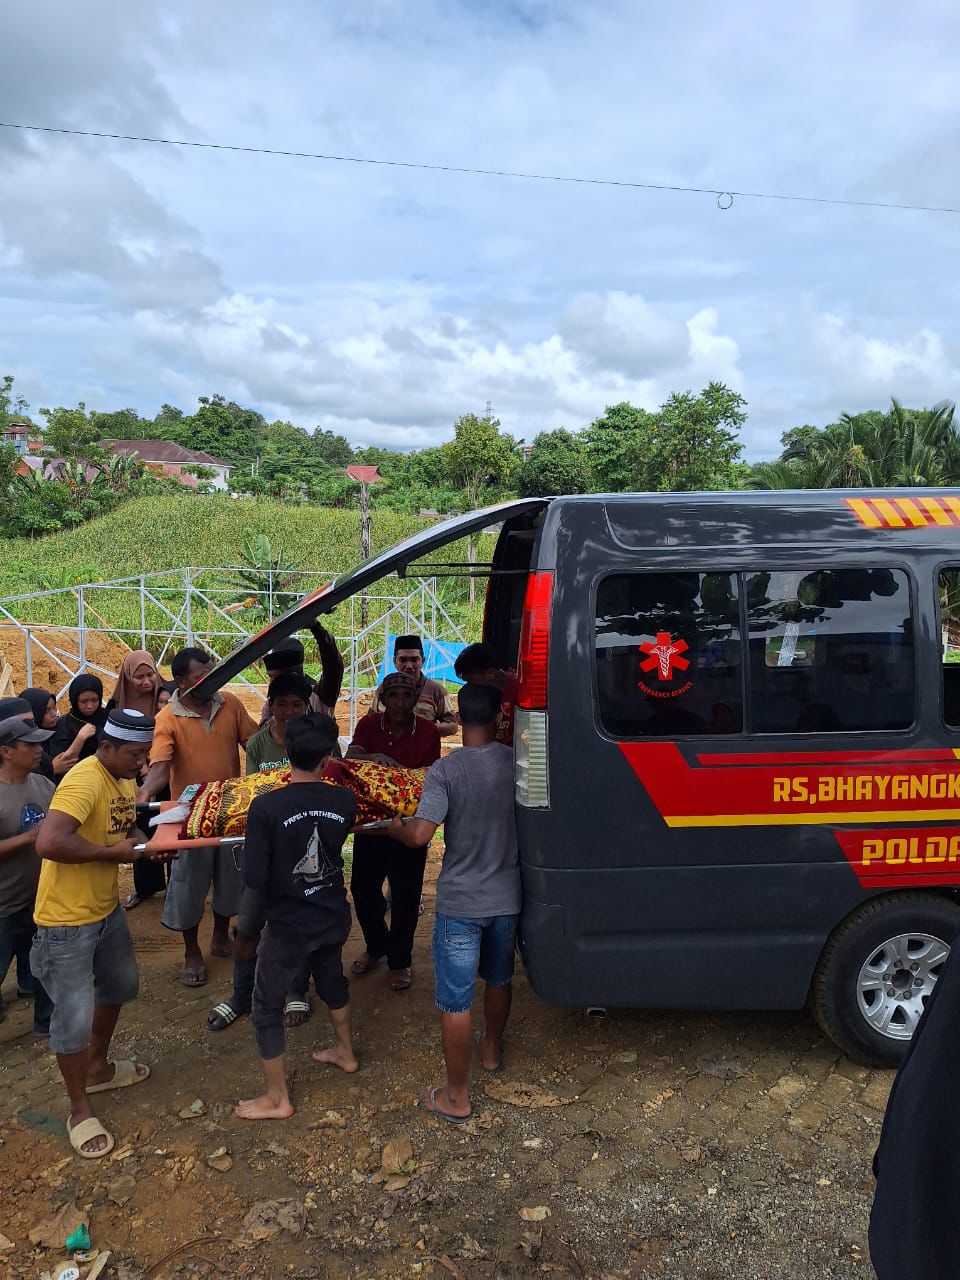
(225, 1011)
(296, 1006)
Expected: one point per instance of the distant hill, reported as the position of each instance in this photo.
(173, 530)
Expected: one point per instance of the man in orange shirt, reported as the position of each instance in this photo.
(198, 742)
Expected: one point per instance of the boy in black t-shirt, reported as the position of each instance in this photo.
(293, 857)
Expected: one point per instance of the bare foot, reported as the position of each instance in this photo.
(337, 1057)
(264, 1108)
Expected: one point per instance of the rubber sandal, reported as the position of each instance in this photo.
(221, 952)
(130, 901)
(296, 1009)
(223, 1015)
(84, 1132)
(400, 979)
(492, 1070)
(432, 1109)
(193, 975)
(125, 1073)
(364, 963)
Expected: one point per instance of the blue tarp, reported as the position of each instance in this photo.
(438, 659)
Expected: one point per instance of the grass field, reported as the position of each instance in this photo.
(172, 531)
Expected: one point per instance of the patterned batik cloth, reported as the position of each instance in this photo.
(382, 791)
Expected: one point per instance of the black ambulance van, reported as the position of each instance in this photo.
(737, 745)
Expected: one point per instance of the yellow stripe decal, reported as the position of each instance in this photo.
(936, 510)
(865, 513)
(891, 517)
(952, 504)
(912, 512)
(851, 818)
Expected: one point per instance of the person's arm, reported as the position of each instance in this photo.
(158, 777)
(446, 716)
(246, 725)
(14, 844)
(331, 665)
(161, 758)
(256, 850)
(431, 811)
(71, 756)
(57, 841)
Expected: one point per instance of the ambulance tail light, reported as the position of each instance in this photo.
(531, 762)
(534, 660)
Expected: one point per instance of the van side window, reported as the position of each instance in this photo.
(831, 650)
(668, 654)
(949, 592)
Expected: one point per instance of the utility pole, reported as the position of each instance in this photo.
(364, 545)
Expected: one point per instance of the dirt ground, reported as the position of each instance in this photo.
(660, 1145)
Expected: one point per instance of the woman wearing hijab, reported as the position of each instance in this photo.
(75, 736)
(138, 689)
(138, 684)
(45, 716)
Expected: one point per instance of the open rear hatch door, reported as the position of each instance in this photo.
(325, 600)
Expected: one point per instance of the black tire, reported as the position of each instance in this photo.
(834, 999)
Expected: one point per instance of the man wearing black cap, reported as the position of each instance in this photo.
(24, 797)
(433, 702)
(83, 953)
(288, 656)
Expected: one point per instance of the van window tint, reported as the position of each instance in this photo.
(668, 654)
(949, 586)
(830, 650)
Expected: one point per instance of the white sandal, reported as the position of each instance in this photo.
(86, 1131)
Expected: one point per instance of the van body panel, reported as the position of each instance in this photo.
(708, 871)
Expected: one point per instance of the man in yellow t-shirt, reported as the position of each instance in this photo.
(83, 952)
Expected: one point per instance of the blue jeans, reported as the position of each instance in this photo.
(16, 938)
(82, 966)
(464, 948)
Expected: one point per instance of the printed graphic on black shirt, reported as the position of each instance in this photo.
(316, 866)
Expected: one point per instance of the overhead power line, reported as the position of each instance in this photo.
(724, 196)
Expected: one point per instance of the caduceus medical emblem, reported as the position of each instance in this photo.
(664, 655)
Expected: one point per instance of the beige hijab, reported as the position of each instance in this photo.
(126, 696)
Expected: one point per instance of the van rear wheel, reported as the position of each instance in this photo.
(877, 972)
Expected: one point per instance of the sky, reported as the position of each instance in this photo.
(383, 302)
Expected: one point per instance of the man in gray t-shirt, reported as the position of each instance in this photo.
(24, 797)
(471, 792)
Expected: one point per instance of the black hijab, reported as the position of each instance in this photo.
(39, 700)
(19, 707)
(73, 721)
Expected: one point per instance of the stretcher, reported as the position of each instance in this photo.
(166, 835)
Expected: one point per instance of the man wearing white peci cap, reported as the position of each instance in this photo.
(82, 952)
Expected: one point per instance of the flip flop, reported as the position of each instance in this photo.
(492, 1070)
(130, 901)
(223, 1015)
(193, 975)
(125, 1073)
(432, 1109)
(400, 979)
(84, 1132)
(364, 963)
(298, 1011)
(223, 952)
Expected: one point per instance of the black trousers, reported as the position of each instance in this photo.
(280, 959)
(376, 858)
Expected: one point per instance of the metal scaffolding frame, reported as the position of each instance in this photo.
(205, 606)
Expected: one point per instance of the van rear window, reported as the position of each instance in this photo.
(668, 654)
(830, 650)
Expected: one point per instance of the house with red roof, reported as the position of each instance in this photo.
(164, 457)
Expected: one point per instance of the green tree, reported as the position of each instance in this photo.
(557, 463)
(336, 451)
(72, 434)
(122, 424)
(613, 442)
(479, 457)
(13, 407)
(695, 444)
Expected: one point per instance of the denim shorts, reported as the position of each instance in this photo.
(464, 948)
(81, 965)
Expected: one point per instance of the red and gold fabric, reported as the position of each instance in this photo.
(382, 791)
